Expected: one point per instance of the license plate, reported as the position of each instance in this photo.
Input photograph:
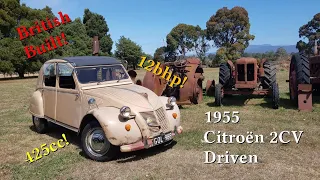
(162, 138)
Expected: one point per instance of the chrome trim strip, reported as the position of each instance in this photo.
(61, 124)
(105, 85)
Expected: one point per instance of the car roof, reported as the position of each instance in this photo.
(78, 61)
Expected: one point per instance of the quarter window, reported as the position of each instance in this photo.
(49, 75)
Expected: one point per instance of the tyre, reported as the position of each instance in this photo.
(218, 95)
(270, 72)
(40, 124)
(275, 96)
(224, 74)
(95, 144)
(299, 73)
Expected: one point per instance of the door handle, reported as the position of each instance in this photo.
(77, 96)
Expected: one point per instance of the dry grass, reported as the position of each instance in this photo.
(182, 160)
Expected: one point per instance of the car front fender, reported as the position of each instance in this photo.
(114, 127)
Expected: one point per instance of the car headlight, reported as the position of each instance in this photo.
(172, 101)
(125, 111)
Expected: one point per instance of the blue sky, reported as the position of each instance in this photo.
(147, 23)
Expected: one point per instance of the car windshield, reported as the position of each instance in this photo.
(100, 74)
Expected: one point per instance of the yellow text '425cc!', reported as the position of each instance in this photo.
(166, 74)
(45, 150)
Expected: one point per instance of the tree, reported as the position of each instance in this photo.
(201, 45)
(160, 54)
(221, 56)
(12, 51)
(311, 32)
(79, 44)
(230, 29)
(96, 25)
(6, 67)
(281, 52)
(181, 38)
(302, 46)
(148, 56)
(9, 15)
(128, 50)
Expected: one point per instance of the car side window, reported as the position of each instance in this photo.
(65, 76)
(49, 74)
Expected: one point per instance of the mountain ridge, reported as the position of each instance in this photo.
(267, 47)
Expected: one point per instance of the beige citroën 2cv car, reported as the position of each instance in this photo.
(95, 97)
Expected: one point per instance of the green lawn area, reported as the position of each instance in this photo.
(182, 160)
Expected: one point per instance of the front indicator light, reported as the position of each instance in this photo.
(174, 115)
(127, 127)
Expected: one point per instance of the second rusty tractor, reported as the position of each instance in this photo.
(247, 77)
(304, 77)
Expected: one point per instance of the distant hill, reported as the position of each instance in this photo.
(267, 47)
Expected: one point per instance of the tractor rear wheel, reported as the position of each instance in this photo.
(269, 75)
(218, 95)
(275, 96)
(224, 74)
(299, 73)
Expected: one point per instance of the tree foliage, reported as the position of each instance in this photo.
(160, 54)
(128, 50)
(269, 55)
(201, 44)
(96, 25)
(229, 29)
(281, 52)
(78, 34)
(311, 32)
(182, 38)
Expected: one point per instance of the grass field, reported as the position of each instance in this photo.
(181, 160)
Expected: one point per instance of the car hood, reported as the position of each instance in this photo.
(131, 95)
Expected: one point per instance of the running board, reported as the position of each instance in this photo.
(62, 124)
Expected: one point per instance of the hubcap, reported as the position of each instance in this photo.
(96, 142)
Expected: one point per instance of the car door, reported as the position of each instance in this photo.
(68, 97)
(49, 90)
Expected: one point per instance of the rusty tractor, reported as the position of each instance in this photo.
(190, 93)
(304, 78)
(247, 77)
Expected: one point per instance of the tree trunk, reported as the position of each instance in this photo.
(21, 74)
(134, 66)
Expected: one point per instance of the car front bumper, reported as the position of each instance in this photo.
(146, 144)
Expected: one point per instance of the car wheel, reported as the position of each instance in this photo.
(95, 144)
(40, 124)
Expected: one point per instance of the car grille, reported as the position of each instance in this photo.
(162, 119)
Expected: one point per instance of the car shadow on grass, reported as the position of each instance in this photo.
(144, 153)
(233, 100)
(286, 103)
(283, 103)
(56, 132)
